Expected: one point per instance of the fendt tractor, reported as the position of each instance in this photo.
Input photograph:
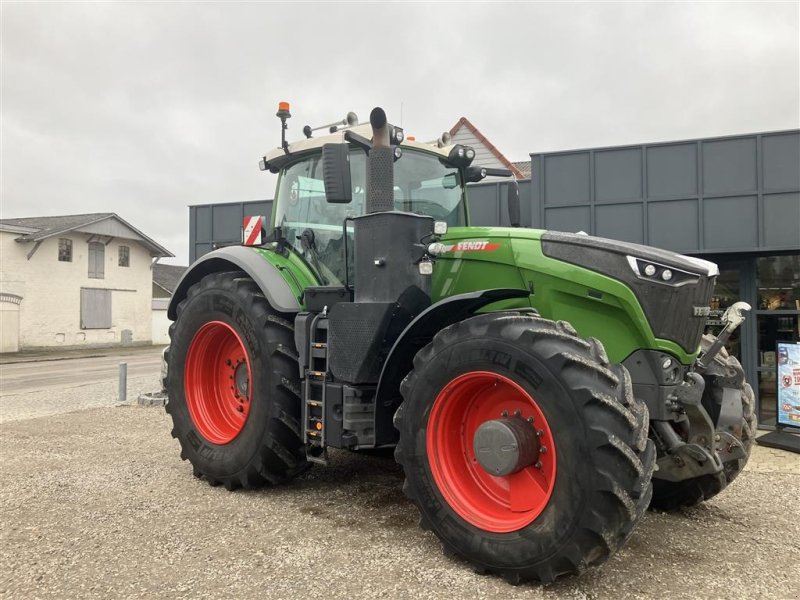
(540, 389)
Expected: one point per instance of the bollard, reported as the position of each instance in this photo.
(123, 382)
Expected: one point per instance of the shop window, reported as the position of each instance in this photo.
(124, 256)
(777, 320)
(778, 280)
(97, 257)
(64, 250)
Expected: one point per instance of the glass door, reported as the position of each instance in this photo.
(777, 319)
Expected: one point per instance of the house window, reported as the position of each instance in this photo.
(124, 256)
(97, 257)
(64, 250)
(95, 308)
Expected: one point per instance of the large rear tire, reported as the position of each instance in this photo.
(725, 371)
(233, 385)
(579, 501)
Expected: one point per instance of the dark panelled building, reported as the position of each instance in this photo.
(733, 200)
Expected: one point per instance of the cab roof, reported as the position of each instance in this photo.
(273, 157)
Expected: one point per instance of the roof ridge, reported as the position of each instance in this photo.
(489, 145)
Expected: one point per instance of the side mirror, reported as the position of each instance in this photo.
(513, 203)
(336, 173)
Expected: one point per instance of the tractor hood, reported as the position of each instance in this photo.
(674, 290)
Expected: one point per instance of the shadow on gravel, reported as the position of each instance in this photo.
(354, 490)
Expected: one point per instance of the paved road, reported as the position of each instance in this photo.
(41, 375)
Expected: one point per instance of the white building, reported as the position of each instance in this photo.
(75, 280)
(165, 281)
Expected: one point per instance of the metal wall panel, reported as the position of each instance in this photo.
(568, 179)
(488, 204)
(671, 171)
(716, 195)
(220, 224)
(620, 222)
(618, 175)
(781, 157)
(729, 166)
(673, 225)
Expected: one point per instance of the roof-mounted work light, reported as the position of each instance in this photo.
(461, 156)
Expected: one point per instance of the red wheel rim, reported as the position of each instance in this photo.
(492, 503)
(217, 382)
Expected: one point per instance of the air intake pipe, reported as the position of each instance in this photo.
(380, 165)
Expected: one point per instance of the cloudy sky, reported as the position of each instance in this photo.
(143, 109)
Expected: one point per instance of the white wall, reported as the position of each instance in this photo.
(160, 322)
(9, 326)
(49, 314)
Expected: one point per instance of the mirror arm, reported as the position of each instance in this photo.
(358, 140)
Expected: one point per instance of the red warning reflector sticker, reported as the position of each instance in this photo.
(251, 231)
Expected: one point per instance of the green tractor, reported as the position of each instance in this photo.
(541, 390)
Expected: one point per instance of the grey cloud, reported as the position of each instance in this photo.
(144, 109)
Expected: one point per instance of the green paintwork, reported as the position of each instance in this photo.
(293, 269)
(560, 290)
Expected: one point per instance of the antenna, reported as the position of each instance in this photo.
(351, 120)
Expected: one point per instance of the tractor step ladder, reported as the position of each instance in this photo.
(316, 376)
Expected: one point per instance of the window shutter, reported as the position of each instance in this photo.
(95, 308)
(96, 260)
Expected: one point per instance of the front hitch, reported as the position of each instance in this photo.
(732, 318)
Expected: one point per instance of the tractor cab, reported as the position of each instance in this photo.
(322, 186)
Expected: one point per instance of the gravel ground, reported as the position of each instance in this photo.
(97, 503)
(92, 395)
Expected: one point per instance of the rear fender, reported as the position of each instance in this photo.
(269, 277)
(417, 334)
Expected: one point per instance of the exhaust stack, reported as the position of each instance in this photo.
(380, 165)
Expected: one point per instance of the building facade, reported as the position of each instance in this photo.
(75, 280)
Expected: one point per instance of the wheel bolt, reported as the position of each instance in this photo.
(504, 413)
(539, 433)
(543, 449)
(240, 408)
(228, 362)
(538, 464)
(530, 419)
(518, 413)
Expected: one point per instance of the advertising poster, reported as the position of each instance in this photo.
(789, 384)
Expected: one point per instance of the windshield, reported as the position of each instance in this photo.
(422, 184)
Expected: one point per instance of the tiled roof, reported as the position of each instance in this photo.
(46, 226)
(168, 276)
(35, 229)
(524, 167)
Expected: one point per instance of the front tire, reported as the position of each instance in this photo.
(233, 385)
(590, 483)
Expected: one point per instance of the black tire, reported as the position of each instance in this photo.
(725, 371)
(605, 461)
(268, 449)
